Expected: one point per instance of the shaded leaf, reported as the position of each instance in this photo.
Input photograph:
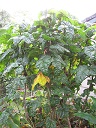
(91, 51)
(90, 32)
(62, 111)
(87, 116)
(43, 63)
(82, 73)
(93, 107)
(57, 62)
(4, 117)
(92, 70)
(11, 124)
(50, 123)
(25, 61)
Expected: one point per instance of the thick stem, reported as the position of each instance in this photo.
(48, 94)
(24, 101)
(69, 124)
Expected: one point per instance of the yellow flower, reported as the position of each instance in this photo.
(40, 79)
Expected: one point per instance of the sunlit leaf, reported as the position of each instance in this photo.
(2, 31)
(40, 79)
(59, 48)
(16, 119)
(5, 54)
(10, 67)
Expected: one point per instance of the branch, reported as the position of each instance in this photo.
(69, 124)
(24, 101)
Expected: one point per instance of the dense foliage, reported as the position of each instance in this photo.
(41, 69)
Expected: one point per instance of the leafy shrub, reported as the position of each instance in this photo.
(54, 55)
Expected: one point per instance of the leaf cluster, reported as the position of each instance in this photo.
(63, 51)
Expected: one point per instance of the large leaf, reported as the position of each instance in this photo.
(58, 48)
(19, 70)
(62, 111)
(75, 48)
(93, 107)
(58, 63)
(10, 67)
(91, 51)
(5, 54)
(61, 91)
(26, 37)
(11, 92)
(16, 119)
(20, 81)
(33, 106)
(61, 79)
(82, 34)
(82, 73)
(16, 39)
(4, 117)
(4, 38)
(92, 70)
(46, 37)
(23, 61)
(43, 63)
(87, 116)
(41, 79)
(50, 123)
(68, 29)
(90, 32)
(11, 124)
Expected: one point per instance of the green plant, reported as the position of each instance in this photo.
(59, 50)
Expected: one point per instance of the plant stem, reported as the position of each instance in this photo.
(25, 108)
(69, 124)
(24, 101)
